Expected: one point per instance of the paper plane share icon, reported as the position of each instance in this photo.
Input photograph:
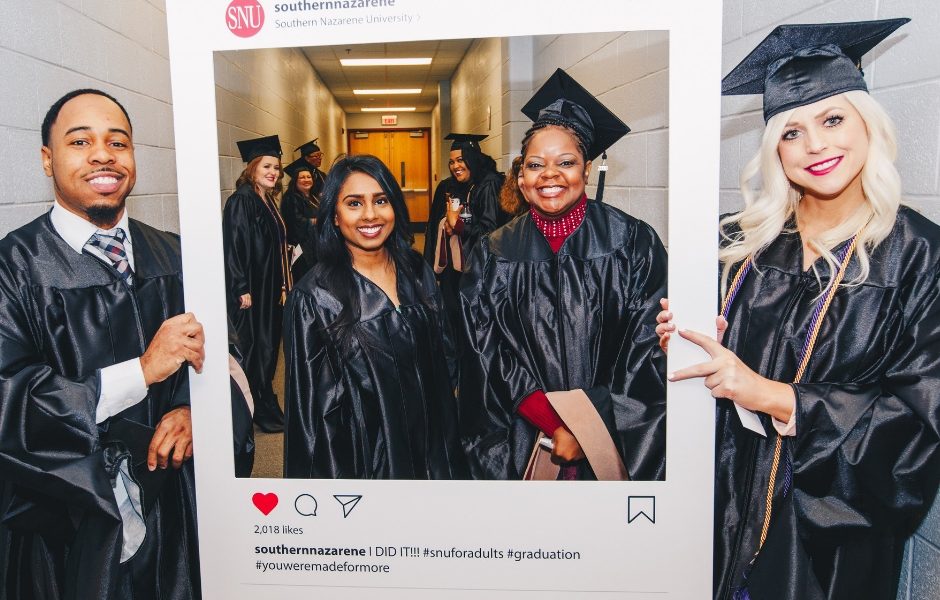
(348, 502)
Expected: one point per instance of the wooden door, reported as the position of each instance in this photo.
(407, 154)
(369, 142)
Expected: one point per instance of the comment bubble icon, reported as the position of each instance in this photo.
(305, 505)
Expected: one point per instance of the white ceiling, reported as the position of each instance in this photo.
(341, 81)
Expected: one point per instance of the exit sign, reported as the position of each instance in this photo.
(389, 119)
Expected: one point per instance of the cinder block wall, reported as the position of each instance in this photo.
(476, 95)
(273, 91)
(904, 75)
(48, 48)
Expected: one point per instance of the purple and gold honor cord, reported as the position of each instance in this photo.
(822, 305)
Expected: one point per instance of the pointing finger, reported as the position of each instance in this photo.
(700, 370)
(700, 339)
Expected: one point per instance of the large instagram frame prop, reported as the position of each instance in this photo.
(465, 539)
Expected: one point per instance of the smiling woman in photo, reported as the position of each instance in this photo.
(257, 271)
(370, 370)
(557, 309)
(831, 331)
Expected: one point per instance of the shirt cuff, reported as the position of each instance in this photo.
(537, 410)
(122, 386)
(787, 429)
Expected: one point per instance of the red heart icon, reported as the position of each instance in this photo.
(265, 502)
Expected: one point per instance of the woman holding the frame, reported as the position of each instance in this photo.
(831, 332)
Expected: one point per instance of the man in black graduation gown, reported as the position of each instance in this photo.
(314, 157)
(93, 502)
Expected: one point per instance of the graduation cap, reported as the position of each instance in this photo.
(463, 141)
(563, 101)
(797, 65)
(308, 147)
(263, 146)
(297, 166)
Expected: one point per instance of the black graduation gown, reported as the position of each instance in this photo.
(64, 316)
(319, 180)
(243, 439)
(485, 215)
(438, 210)
(583, 318)
(385, 407)
(253, 243)
(298, 213)
(865, 456)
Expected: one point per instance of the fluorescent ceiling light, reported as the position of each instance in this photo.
(380, 92)
(383, 62)
(389, 109)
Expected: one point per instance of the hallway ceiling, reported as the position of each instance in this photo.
(341, 81)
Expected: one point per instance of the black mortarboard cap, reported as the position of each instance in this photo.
(462, 141)
(297, 166)
(263, 146)
(308, 147)
(562, 100)
(797, 65)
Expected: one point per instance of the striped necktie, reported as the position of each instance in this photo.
(113, 248)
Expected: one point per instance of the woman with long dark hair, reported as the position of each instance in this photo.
(557, 308)
(257, 271)
(831, 333)
(370, 367)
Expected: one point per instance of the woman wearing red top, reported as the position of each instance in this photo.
(562, 298)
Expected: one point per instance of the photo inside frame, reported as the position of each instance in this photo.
(475, 86)
(657, 68)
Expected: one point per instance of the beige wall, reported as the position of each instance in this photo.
(263, 92)
(476, 94)
(436, 170)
